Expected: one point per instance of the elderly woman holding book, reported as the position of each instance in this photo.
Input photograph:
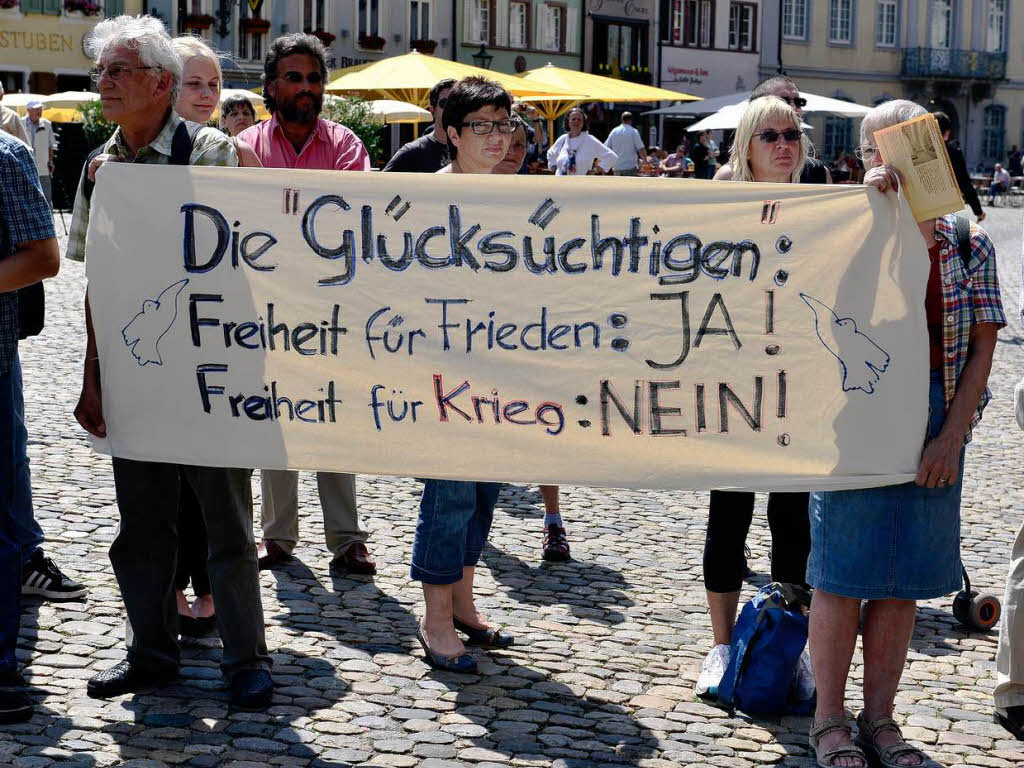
(895, 545)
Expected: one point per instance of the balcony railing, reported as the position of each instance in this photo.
(953, 64)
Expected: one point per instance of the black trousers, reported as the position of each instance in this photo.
(193, 550)
(729, 518)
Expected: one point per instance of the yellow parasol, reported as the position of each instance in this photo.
(411, 76)
(592, 88)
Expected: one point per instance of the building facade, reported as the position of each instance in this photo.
(960, 56)
(41, 42)
(519, 35)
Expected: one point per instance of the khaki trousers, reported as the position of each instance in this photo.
(1010, 659)
(279, 515)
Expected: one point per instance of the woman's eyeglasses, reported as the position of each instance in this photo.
(486, 127)
(865, 153)
(770, 136)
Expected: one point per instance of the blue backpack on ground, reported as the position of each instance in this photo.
(767, 641)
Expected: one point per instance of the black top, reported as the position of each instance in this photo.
(963, 178)
(699, 155)
(421, 156)
(814, 172)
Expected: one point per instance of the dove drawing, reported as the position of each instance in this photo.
(863, 362)
(143, 333)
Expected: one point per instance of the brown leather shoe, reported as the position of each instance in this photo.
(355, 559)
(270, 553)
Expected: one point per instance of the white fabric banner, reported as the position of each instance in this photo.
(648, 333)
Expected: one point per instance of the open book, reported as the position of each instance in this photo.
(916, 149)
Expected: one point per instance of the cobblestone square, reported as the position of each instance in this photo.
(608, 646)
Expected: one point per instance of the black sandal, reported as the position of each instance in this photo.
(827, 759)
(483, 636)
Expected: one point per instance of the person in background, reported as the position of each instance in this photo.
(1013, 161)
(1009, 692)
(1000, 183)
(11, 123)
(28, 254)
(895, 545)
(770, 146)
(138, 75)
(236, 114)
(295, 136)
(956, 159)
(455, 516)
(624, 140)
(43, 142)
(782, 87)
(428, 153)
(575, 151)
(712, 146)
(699, 155)
(675, 164)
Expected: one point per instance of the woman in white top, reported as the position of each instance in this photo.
(574, 153)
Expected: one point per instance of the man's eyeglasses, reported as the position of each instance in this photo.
(486, 127)
(865, 153)
(313, 78)
(115, 72)
(770, 136)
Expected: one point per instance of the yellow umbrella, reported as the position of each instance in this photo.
(411, 76)
(62, 115)
(593, 88)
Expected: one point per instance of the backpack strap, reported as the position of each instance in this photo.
(963, 238)
(182, 144)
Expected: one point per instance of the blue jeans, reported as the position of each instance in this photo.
(455, 518)
(10, 550)
(26, 530)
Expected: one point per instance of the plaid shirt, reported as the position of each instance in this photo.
(24, 216)
(969, 296)
(211, 147)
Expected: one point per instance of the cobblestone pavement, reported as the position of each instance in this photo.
(608, 645)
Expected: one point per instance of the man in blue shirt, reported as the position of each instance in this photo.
(625, 141)
(28, 254)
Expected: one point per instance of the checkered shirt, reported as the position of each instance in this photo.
(969, 296)
(24, 216)
(211, 147)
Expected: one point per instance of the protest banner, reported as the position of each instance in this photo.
(592, 331)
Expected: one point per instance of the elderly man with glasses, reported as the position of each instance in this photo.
(296, 136)
(139, 75)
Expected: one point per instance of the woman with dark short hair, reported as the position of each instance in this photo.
(455, 515)
(236, 114)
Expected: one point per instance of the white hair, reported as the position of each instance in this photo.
(888, 113)
(145, 35)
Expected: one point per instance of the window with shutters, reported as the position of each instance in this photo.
(992, 140)
(742, 27)
(941, 32)
(995, 26)
(887, 23)
(837, 137)
(315, 16)
(794, 19)
(253, 27)
(840, 21)
(419, 19)
(368, 19)
(519, 24)
(477, 22)
(552, 27)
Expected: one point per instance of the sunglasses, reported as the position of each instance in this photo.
(313, 78)
(798, 103)
(770, 136)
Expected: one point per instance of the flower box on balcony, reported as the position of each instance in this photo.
(255, 26)
(324, 37)
(371, 42)
(83, 7)
(423, 46)
(200, 21)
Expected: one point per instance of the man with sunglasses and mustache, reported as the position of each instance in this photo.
(428, 153)
(294, 74)
(815, 171)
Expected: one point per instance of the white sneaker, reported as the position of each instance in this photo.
(712, 670)
(804, 677)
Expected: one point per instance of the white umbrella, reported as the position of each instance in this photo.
(392, 111)
(815, 104)
(19, 101)
(68, 99)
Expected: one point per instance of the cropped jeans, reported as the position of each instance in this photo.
(455, 518)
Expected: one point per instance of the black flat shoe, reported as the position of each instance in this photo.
(15, 707)
(464, 662)
(252, 689)
(1012, 719)
(190, 626)
(485, 638)
(126, 677)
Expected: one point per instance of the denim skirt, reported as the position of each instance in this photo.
(898, 541)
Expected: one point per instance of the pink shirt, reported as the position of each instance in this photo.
(331, 147)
